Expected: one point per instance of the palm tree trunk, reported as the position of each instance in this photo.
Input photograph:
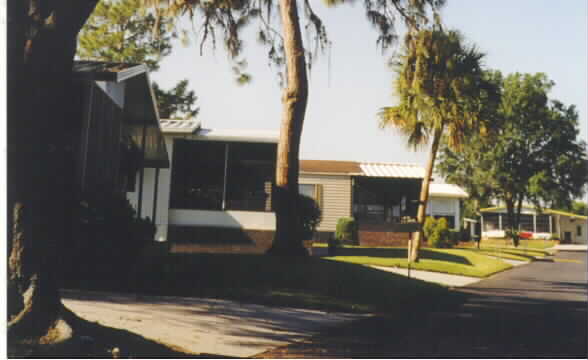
(40, 133)
(287, 240)
(424, 196)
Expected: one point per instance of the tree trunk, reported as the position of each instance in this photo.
(510, 213)
(288, 239)
(40, 161)
(424, 197)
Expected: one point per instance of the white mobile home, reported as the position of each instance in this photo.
(569, 228)
(217, 194)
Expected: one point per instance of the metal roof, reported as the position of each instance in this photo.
(392, 170)
(228, 135)
(447, 190)
(368, 169)
(169, 126)
(534, 209)
(329, 166)
(107, 71)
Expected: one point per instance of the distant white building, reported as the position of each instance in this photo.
(570, 228)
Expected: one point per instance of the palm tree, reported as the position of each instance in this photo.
(441, 90)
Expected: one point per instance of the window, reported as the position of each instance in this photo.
(250, 174)
(313, 191)
(197, 175)
(210, 175)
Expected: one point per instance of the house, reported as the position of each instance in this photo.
(570, 228)
(216, 197)
(119, 134)
(382, 197)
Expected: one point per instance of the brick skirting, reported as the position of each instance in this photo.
(203, 239)
(382, 238)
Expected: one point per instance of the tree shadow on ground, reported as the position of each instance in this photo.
(401, 253)
(497, 327)
(92, 340)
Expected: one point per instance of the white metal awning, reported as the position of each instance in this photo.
(169, 126)
(240, 135)
(447, 190)
(392, 170)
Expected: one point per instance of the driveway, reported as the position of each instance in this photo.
(199, 325)
(535, 310)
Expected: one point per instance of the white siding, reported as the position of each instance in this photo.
(249, 220)
(336, 197)
(162, 213)
(438, 206)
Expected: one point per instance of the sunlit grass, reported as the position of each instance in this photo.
(451, 261)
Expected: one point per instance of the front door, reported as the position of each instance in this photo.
(567, 237)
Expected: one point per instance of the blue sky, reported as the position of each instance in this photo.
(348, 87)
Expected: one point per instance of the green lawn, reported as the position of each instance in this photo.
(451, 261)
(531, 244)
(310, 282)
(502, 253)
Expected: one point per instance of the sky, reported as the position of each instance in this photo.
(351, 83)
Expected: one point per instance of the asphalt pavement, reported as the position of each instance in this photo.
(535, 310)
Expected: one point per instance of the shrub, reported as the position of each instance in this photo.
(108, 239)
(346, 231)
(455, 236)
(554, 237)
(438, 232)
(310, 216)
(429, 226)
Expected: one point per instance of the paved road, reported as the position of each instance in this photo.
(536, 310)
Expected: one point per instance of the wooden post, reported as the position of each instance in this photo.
(155, 193)
(409, 252)
(224, 203)
(142, 173)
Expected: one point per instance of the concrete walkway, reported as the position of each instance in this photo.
(569, 247)
(441, 278)
(202, 325)
(431, 276)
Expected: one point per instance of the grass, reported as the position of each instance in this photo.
(451, 261)
(502, 253)
(531, 244)
(311, 282)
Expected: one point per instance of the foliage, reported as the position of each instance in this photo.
(439, 237)
(226, 20)
(108, 240)
(443, 96)
(310, 216)
(535, 156)
(346, 231)
(438, 234)
(454, 237)
(124, 31)
(577, 207)
(176, 103)
(121, 31)
(429, 226)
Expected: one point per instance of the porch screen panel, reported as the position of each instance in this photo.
(197, 180)
(526, 222)
(543, 223)
(491, 222)
(250, 169)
